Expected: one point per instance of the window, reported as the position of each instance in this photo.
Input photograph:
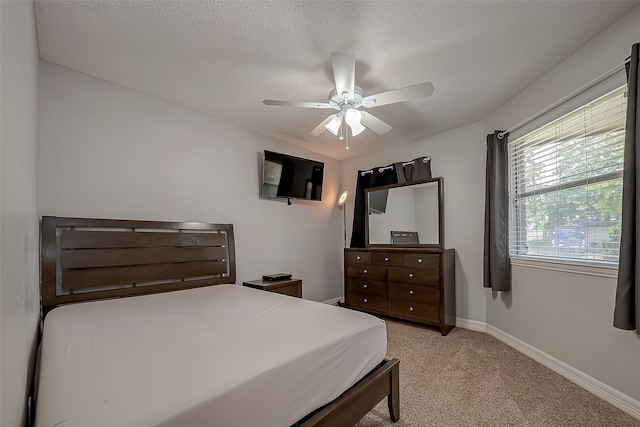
(271, 178)
(566, 185)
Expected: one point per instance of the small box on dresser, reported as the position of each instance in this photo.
(412, 284)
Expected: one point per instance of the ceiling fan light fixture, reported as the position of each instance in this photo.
(357, 129)
(334, 124)
(353, 117)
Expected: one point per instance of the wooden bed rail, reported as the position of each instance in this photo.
(355, 403)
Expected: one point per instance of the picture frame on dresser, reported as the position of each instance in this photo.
(407, 280)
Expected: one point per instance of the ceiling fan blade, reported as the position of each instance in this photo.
(344, 72)
(420, 90)
(297, 104)
(320, 128)
(374, 123)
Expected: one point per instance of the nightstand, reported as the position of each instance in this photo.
(291, 287)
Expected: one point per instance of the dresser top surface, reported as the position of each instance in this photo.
(399, 249)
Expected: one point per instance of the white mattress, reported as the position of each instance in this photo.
(224, 355)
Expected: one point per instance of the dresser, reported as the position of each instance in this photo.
(413, 284)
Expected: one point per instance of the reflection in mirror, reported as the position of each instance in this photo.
(404, 215)
(405, 238)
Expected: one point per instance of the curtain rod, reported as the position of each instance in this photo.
(573, 94)
(382, 169)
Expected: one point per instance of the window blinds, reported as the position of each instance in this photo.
(566, 184)
(271, 178)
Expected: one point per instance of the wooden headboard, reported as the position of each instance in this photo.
(86, 259)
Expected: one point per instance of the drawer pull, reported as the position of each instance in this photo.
(419, 260)
(411, 275)
(365, 286)
(364, 271)
(358, 257)
(411, 292)
(386, 259)
(410, 308)
(365, 300)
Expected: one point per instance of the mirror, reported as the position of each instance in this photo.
(407, 214)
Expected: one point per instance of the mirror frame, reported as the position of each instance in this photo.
(439, 245)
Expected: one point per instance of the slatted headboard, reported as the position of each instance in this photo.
(87, 259)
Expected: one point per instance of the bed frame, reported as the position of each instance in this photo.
(85, 259)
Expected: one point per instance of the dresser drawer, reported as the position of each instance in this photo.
(369, 272)
(419, 310)
(358, 257)
(387, 258)
(426, 294)
(422, 260)
(364, 286)
(366, 301)
(419, 276)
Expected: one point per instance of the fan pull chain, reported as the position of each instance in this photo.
(347, 139)
(344, 134)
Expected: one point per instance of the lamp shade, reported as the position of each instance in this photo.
(334, 124)
(343, 198)
(353, 117)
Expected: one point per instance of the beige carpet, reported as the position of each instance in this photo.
(471, 379)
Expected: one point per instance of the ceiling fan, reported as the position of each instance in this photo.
(348, 98)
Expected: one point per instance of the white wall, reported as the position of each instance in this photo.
(109, 152)
(19, 229)
(569, 316)
(426, 212)
(458, 156)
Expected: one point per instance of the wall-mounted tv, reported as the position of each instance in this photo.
(289, 177)
(378, 201)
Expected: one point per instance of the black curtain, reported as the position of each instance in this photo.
(389, 175)
(416, 170)
(625, 315)
(497, 269)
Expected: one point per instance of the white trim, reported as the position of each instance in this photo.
(600, 389)
(608, 271)
(472, 325)
(334, 301)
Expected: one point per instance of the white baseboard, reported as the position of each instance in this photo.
(600, 389)
(472, 325)
(334, 301)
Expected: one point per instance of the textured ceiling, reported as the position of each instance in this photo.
(223, 58)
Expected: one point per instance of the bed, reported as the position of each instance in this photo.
(191, 348)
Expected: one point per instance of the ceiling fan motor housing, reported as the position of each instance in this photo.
(338, 102)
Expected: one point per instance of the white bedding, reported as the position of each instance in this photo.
(224, 355)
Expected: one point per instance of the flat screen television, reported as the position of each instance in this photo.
(378, 201)
(290, 177)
